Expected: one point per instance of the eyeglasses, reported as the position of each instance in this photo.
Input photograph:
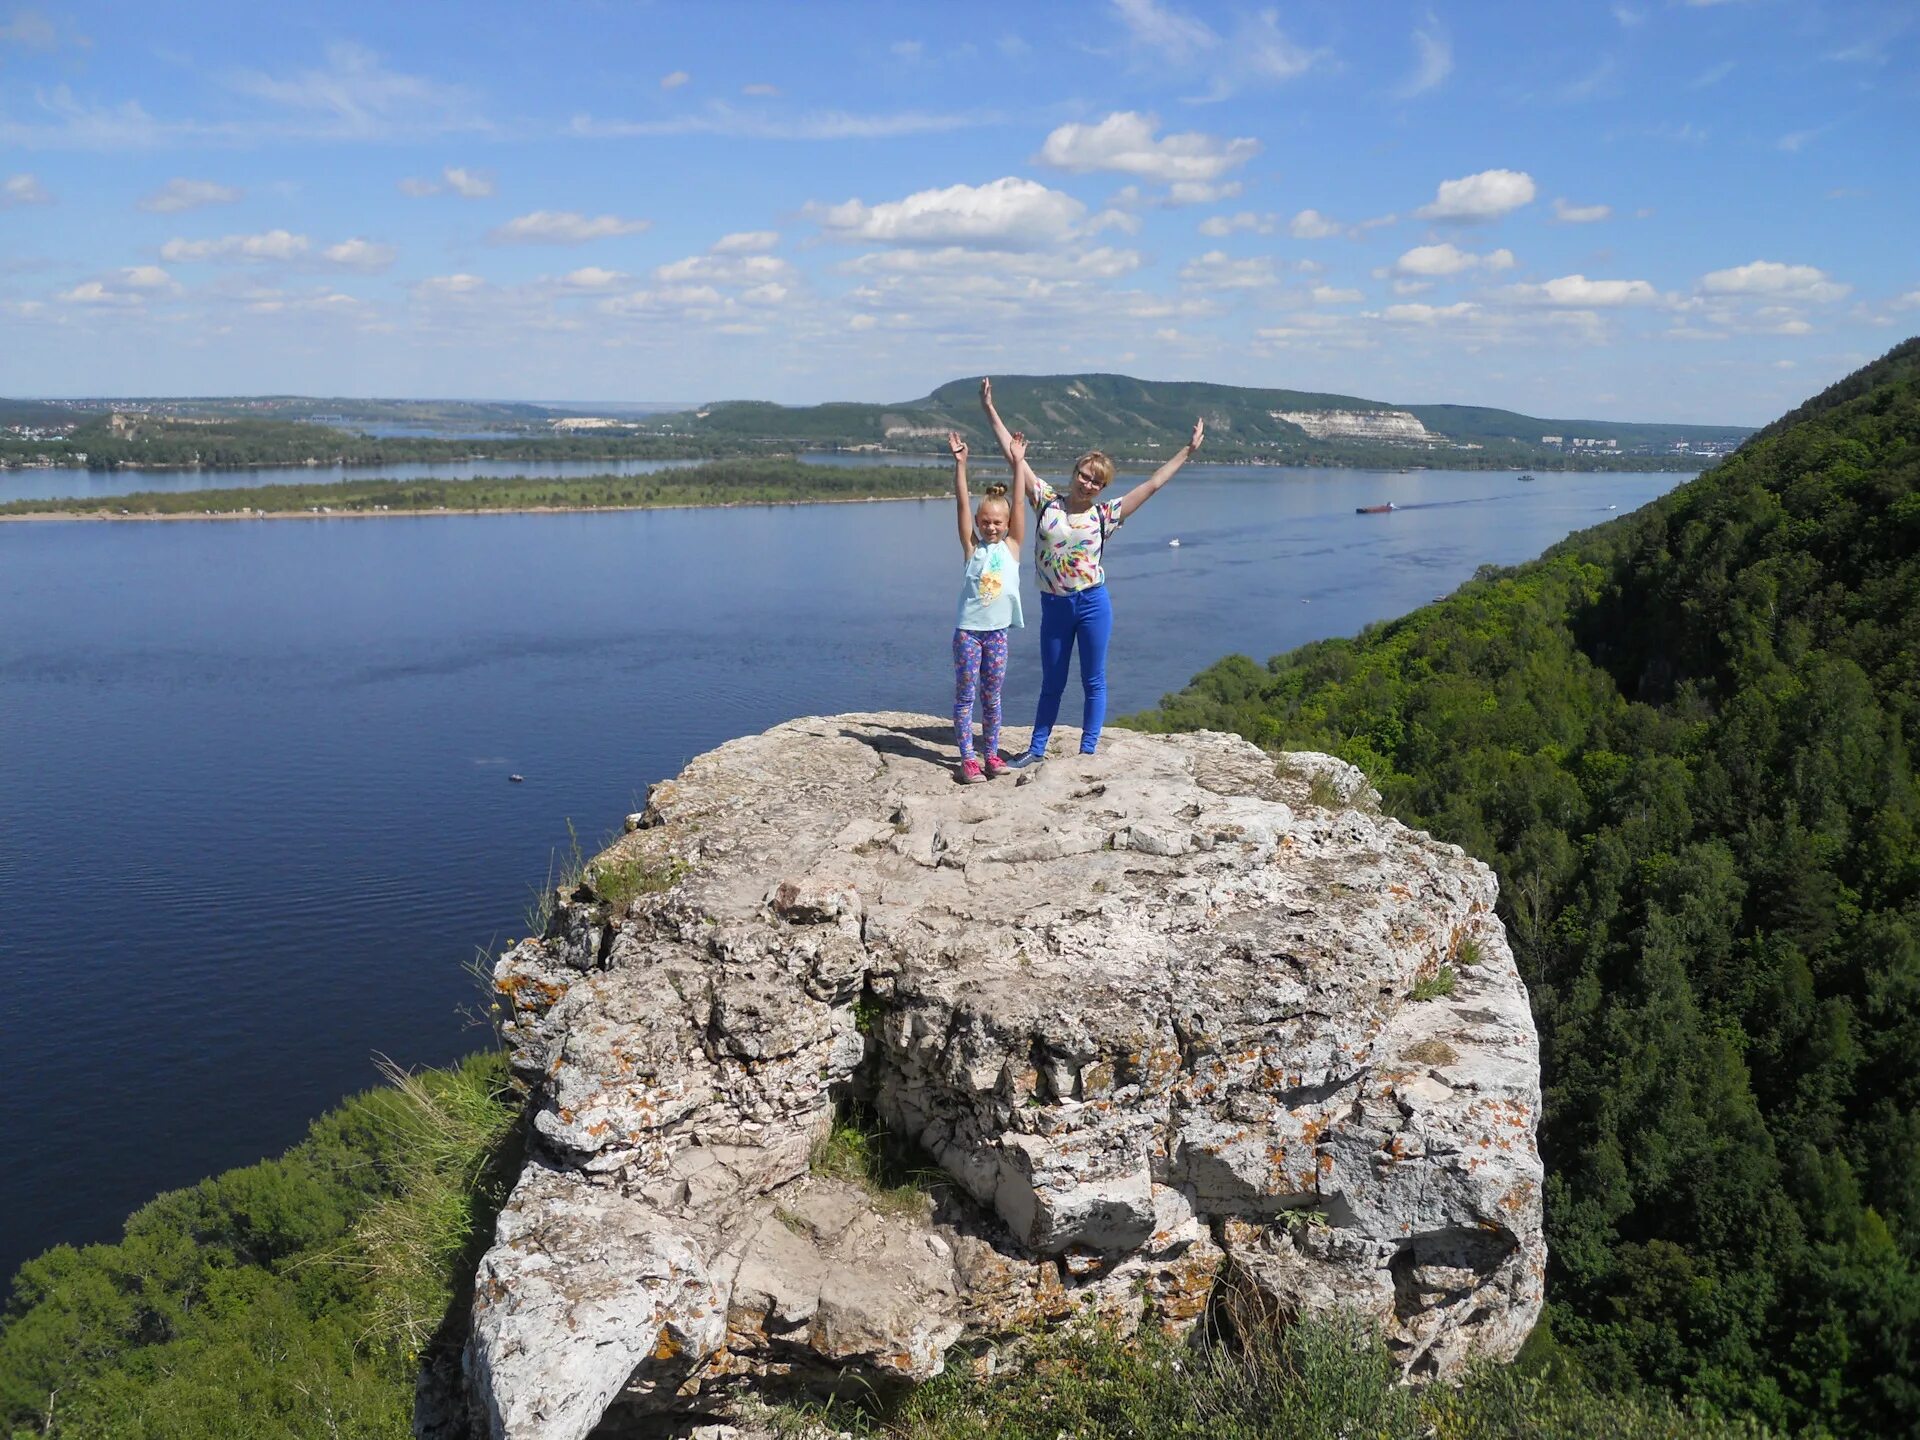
(1087, 477)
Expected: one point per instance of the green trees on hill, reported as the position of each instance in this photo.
(1683, 740)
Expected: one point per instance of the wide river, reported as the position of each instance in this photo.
(255, 818)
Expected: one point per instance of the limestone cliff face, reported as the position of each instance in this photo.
(1357, 424)
(1151, 1013)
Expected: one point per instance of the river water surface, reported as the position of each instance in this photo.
(254, 809)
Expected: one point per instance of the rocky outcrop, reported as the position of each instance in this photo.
(1149, 1019)
(1358, 424)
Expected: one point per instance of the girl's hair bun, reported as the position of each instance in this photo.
(996, 491)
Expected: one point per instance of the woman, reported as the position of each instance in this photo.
(1070, 535)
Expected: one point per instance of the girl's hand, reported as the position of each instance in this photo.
(957, 445)
(1199, 434)
(1017, 449)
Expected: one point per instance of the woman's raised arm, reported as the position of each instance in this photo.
(1144, 491)
(1017, 509)
(1005, 437)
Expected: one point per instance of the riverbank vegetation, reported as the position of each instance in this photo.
(296, 1298)
(1683, 740)
(723, 482)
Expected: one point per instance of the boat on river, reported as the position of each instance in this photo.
(1525, 478)
(1374, 509)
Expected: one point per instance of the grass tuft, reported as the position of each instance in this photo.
(450, 1142)
(1435, 986)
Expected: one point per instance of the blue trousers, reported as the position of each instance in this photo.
(1085, 618)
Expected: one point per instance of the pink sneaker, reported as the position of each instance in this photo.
(970, 772)
(996, 767)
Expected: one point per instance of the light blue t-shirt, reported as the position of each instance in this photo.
(990, 595)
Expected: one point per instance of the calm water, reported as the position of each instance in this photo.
(254, 808)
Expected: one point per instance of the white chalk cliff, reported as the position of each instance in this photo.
(1151, 1013)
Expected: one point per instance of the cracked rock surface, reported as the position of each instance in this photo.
(1149, 1016)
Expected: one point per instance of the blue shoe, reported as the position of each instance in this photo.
(1026, 760)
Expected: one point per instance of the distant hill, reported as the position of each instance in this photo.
(34, 412)
(1137, 417)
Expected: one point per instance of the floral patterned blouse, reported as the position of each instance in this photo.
(1067, 548)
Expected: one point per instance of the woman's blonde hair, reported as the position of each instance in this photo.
(1100, 466)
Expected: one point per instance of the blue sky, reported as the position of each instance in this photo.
(1636, 210)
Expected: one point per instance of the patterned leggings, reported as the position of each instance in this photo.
(979, 656)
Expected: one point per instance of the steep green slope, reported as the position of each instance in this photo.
(1683, 741)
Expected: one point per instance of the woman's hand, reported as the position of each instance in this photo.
(1199, 434)
(957, 445)
(986, 394)
(1016, 450)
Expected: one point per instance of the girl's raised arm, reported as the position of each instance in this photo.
(962, 502)
(1143, 492)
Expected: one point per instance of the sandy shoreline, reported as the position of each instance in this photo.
(441, 512)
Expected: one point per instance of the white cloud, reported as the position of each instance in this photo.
(1312, 225)
(721, 119)
(1711, 76)
(354, 96)
(460, 284)
(1024, 267)
(1217, 270)
(1485, 196)
(95, 292)
(861, 322)
(1008, 213)
(180, 194)
(674, 79)
(1434, 60)
(468, 184)
(1447, 259)
(1219, 226)
(1908, 301)
(1124, 143)
(1568, 213)
(562, 227)
(1161, 39)
(907, 50)
(23, 190)
(1771, 278)
(761, 89)
(1426, 314)
(148, 277)
(270, 245)
(1579, 290)
(126, 288)
(746, 242)
(358, 254)
(1329, 295)
(725, 270)
(1162, 30)
(593, 277)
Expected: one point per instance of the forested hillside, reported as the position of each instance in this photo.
(1682, 739)
(1145, 419)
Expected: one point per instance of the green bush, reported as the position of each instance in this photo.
(289, 1298)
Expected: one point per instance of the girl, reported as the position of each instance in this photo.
(1074, 608)
(989, 604)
